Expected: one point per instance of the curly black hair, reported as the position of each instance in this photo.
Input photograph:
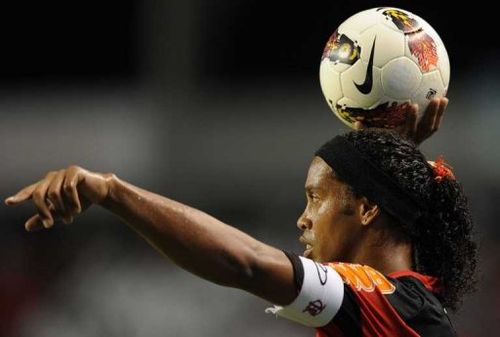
(442, 240)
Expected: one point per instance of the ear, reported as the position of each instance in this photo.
(367, 211)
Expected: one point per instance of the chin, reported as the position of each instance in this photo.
(329, 258)
(315, 257)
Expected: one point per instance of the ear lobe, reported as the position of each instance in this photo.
(368, 211)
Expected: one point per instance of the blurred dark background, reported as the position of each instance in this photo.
(216, 104)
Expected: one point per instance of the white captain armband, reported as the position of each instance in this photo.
(319, 298)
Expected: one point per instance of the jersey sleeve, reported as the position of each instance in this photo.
(372, 304)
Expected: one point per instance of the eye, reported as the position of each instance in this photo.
(313, 196)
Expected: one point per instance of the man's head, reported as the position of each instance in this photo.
(374, 181)
(335, 218)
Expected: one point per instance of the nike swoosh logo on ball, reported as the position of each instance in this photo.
(366, 86)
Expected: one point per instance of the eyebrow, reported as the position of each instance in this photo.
(310, 188)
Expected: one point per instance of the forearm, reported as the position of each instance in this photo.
(195, 240)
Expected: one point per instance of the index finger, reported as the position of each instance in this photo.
(443, 103)
(410, 127)
(22, 195)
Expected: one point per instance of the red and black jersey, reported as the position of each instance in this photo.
(399, 304)
(352, 300)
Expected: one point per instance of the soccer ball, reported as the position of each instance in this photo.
(378, 62)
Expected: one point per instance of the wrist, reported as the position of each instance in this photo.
(112, 183)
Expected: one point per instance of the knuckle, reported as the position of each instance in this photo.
(74, 168)
(52, 194)
(37, 195)
(50, 174)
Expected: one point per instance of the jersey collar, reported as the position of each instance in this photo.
(431, 283)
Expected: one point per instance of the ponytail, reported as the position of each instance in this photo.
(443, 242)
(442, 238)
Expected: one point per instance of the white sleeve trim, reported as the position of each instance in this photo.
(319, 299)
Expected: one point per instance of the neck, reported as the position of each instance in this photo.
(384, 255)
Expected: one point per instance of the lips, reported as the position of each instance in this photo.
(308, 246)
(308, 251)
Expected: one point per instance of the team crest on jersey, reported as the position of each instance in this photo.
(363, 278)
(314, 308)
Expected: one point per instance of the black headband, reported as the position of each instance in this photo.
(368, 180)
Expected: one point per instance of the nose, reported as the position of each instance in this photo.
(303, 222)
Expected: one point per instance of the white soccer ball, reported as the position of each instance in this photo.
(380, 60)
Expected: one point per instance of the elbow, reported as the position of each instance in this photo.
(251, 268)
(240, 269)
(261, 270)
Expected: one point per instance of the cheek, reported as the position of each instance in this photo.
(325, 222)
(326, 211)
(332, 227)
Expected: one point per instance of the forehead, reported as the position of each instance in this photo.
(319, 174)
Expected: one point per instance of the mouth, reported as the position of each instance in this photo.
(308, 247)
(308, 251)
